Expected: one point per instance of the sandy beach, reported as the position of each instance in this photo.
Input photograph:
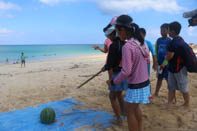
(42, 82)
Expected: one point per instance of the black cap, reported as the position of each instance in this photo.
(124, 20)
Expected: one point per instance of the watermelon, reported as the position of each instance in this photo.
(47, 115)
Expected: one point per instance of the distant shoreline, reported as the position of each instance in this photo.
(77, 57)
(49, 44)
(45, 52)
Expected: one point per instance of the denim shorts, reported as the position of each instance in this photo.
(119, 87)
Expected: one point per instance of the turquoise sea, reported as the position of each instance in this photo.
(45, 52)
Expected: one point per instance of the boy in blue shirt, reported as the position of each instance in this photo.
(160, 49)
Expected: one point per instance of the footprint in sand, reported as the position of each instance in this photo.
(179, 121)
(62, 86)
(75, 66)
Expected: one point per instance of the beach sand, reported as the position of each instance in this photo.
(42, 82)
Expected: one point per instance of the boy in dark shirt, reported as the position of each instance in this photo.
(177, 76)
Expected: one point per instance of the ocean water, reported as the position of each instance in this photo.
(44, 52)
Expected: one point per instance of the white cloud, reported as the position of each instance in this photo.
(191, 31)
(53, 2)
(50, 2)
(153, 32)
(5, 15)
(128, 6)
(5, 31)
(8, 6)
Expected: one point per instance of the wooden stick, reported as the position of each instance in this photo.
(90, 79)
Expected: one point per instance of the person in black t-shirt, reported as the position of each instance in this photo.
(113, 66)
(177, 77)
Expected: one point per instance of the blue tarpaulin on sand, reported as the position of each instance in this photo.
(69, 117)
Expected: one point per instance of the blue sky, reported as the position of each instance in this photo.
(81, 21)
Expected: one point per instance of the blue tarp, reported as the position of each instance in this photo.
(69, 117)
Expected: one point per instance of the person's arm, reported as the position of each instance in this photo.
(154, 62)
(151, 48)
(156, 51)
(104, 50)
(169, 56)
(110, 58)
(110, 73)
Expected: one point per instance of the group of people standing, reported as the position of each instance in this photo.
(128, 66)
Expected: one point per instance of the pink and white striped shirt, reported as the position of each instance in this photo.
(134, 63)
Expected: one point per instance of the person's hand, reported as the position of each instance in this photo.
(95, 47)
(108, 82)
(162, 67)
(103, 69)
(155, 66)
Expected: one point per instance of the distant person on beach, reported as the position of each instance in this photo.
(7, 61)
(113, 66)
(177, 79)
(160, 49)
(22, 59)
(134, 69)
(15, 62)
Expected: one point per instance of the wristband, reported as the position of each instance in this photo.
(165, 62)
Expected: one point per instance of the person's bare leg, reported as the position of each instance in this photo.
(171, 96)
(115, 106)
(139, 118)
(186, 99)
(131, 116)
(121, 102)
(158, 86)
(174, 99)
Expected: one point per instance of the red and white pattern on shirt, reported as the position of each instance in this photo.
(134, 64)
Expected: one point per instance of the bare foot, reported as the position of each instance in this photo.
(167, 107)
(155, 95)
(184, 107)
(119, 122)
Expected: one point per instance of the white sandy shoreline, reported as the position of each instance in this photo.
(42, 82)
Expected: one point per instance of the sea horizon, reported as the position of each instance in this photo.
(44, 44)
(45, 52)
